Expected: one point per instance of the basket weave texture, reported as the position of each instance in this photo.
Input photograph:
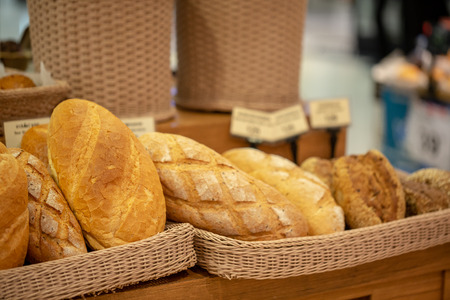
(239, 53)
(164, 254)
(113, 52)
(231, 258)
(29, 103)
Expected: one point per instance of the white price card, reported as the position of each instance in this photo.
(330, 113)
(14, 130)
(268, 126)
(140, 125)
(428, 133)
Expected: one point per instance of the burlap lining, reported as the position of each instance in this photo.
(231, 258)
(113, 52)
(164, 254)
(30, 103)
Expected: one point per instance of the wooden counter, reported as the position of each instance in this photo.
(213, 130)
(416, 275)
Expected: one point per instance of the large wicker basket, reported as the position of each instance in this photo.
(164, 254)
(231, 258)
(113, 52)
(239, 53)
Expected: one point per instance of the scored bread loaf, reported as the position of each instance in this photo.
(105, 174)
(203, 188)
(14, 228)
(302, 188)
(34, 141)
(368, 189)
(54, 230)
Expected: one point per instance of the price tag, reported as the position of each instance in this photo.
(268, 127)
(329, 113)
(428, 134)
(14, 130)
(140, 125)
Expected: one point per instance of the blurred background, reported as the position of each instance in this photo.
(345, 49)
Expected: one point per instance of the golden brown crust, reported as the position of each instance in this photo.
(14, 230)
(321, 167)
(368, 189)
(105, 173)
(203, 188)
(15, 81)
(302, 188)
(34, 141)
(54, 231)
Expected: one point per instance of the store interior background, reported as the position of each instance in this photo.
(339, 51)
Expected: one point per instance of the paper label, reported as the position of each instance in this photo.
(14, 130)
(331, 113)
(428, 134)
(259, 126)
(140, 125)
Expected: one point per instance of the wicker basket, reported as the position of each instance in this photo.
(164, 254)
(30, 103)
(113, 52)
(239, 53)
(231, 258)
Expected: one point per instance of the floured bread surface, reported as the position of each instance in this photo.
(14, 228)
(203, 188)
(105, 174)
(54, 230)
(305, 190)
(368, 189)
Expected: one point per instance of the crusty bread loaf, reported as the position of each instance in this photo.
(34, 141)
(54, 230)
(426, 190)
(14, 228)
(203, 188)
(302, 188)
(321, 167)
(368, 189)
(105, 174)
(15, 81)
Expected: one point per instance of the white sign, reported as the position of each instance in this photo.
(268, 126)
(140, 125)
(330, 113)
(14, 130)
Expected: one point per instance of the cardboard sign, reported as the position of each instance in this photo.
(14, 130)
(332, 113)
(140, 125)
(268, 127)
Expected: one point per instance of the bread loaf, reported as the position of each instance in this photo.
(321, 167)
(34, 141)
(302, 188)
(368, 189)
(105, 174)
(14, 228)
(54, 230)
(15, 81)
(203, 188)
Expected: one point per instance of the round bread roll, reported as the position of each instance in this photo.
(368, 189)
(34, 141)
(15, 81)
(321, 167)
(14, 228)
(54, 230)
(105, 174)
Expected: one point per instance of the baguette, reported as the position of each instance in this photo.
(14, 228)
(303, 189)
(105, 174)
(203, 188)
(54, 230)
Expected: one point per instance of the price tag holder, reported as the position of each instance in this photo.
(140, 125)
(330, 113)
(14, 130)
(270, 127)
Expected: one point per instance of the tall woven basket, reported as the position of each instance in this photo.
(239, 53)
(113, 52)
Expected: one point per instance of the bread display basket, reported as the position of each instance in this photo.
(231, 258)
(239, 53)
(99, 271)
(113, 52)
